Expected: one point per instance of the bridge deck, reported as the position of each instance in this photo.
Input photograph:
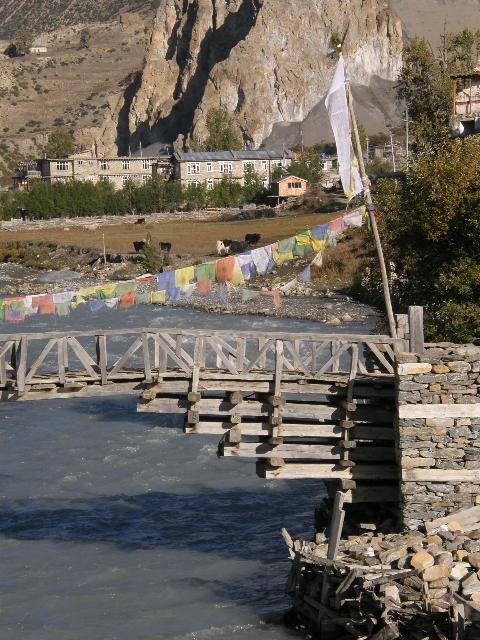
(303, 405)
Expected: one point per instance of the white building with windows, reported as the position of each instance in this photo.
(210, 167)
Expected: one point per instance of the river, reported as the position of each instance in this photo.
(116, 526)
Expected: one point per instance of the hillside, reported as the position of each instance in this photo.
(39, 16)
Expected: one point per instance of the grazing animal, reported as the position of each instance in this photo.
(140, 221)
(222, 250)
(165, 246)
(252, 239)
(139, 245)
(237, 247)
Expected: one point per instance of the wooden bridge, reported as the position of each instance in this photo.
(303, 405)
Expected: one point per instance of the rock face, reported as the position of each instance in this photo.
(266, 61)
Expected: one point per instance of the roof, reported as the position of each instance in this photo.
(277, 180)
(203, 156)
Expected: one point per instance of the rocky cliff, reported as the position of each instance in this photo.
(266, 61)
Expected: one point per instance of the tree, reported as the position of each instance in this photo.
(223, 133)
(430, 228)
(378, 166)
(85, 39)
(60, 144)
(151, 261)
(307, 165)
(426, 88)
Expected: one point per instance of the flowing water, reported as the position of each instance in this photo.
(116, 526)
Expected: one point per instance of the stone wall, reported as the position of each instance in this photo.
(438, 431)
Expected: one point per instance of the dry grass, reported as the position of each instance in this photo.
(342, 263)
(187, 237)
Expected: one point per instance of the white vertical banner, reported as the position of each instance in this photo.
(336, 103)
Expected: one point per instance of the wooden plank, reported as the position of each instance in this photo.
(168, 351)
(219, 406)
(307, 451)
(327, 472)
(439, 475)
(146, 358)
(176, 345)
(297, 360)
(62, 348)
(335, 358)
(39, 360)
(414, 411)
(21, 363)
(334, 535)
(260, 358)
(415, 321)
(102, 357)
(221, 357)
(83, 356)
(380, 357)
(464, 516)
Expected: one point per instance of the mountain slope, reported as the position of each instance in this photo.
(266, 61)
(37, 16)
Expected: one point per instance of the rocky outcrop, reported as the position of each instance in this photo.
(266, 61)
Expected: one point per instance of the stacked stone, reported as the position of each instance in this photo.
(438, 456)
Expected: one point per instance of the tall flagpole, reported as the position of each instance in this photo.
(371, 213)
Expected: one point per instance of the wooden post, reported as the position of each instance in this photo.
(415, 320)
(334, 537)
(370, 207)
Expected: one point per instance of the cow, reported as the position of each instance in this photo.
(252, 239)
(237, 247)
(165, 246)
(139, 245)
(222, 248)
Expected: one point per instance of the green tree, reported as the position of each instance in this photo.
(425, 86)
(223, 133)
(378, 166)
(151, 261)
(430, 228)
(307, 165)
(60, 144)
(253, 185)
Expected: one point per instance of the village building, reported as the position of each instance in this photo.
(465, 118)
(210, 167)
(118, 171)
(288, 187)
(38, 47)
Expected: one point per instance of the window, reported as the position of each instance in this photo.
(145, 163)
(277, 163)
(193, 168)
(124, 180)
(264, 165)
(104, 165)
(209, 167)
(249, 165)
(225, 167)
(146, 178)
(193, 183)
(62, 165)
(210, 185)
(104, 179)
(265, 182)
(125, 164)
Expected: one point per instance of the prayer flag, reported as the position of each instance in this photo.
(337, 107)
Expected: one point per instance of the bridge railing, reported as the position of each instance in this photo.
(145, 354)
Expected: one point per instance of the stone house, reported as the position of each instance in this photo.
(210, 167)
(38, 47)
(118, 171)
(465, 119)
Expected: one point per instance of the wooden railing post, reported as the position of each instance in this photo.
(415, 321)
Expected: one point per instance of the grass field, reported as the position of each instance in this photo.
(187, 237)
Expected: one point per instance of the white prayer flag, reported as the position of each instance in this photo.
(337, 107)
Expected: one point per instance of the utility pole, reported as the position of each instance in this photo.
(407, 136)
(373, 222)
(104, 249)
(368, 150)
(393, 152)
